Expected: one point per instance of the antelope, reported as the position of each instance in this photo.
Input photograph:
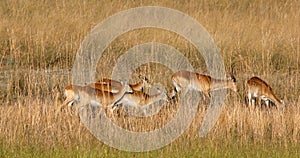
(115, 86)
(141, 99)
(257, 88)
(190, 80)
(84, 95)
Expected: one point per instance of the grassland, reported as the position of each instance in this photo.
(39, 41)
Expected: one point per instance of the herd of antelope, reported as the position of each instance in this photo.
(110, 94)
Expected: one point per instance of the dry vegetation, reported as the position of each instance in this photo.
(39, 41)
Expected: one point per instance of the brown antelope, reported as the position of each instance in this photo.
(141, 99)
(257, 88)
(84, 95)
(115, 86)
(185, 80)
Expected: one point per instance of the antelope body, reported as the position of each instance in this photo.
(140, 99)
(185, 80)
(257, 88)
(86, 94)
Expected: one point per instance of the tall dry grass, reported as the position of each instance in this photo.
(39, 41)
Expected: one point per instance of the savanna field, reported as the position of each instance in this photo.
(38, 45)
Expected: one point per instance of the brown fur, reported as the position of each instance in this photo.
(257, 88)
(203, 83)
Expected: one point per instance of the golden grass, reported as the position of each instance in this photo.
(39, 41)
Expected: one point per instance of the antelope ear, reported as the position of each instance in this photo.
(282, 102)
(144, 78)
(233, 79)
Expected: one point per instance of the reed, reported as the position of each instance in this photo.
(39, 41)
